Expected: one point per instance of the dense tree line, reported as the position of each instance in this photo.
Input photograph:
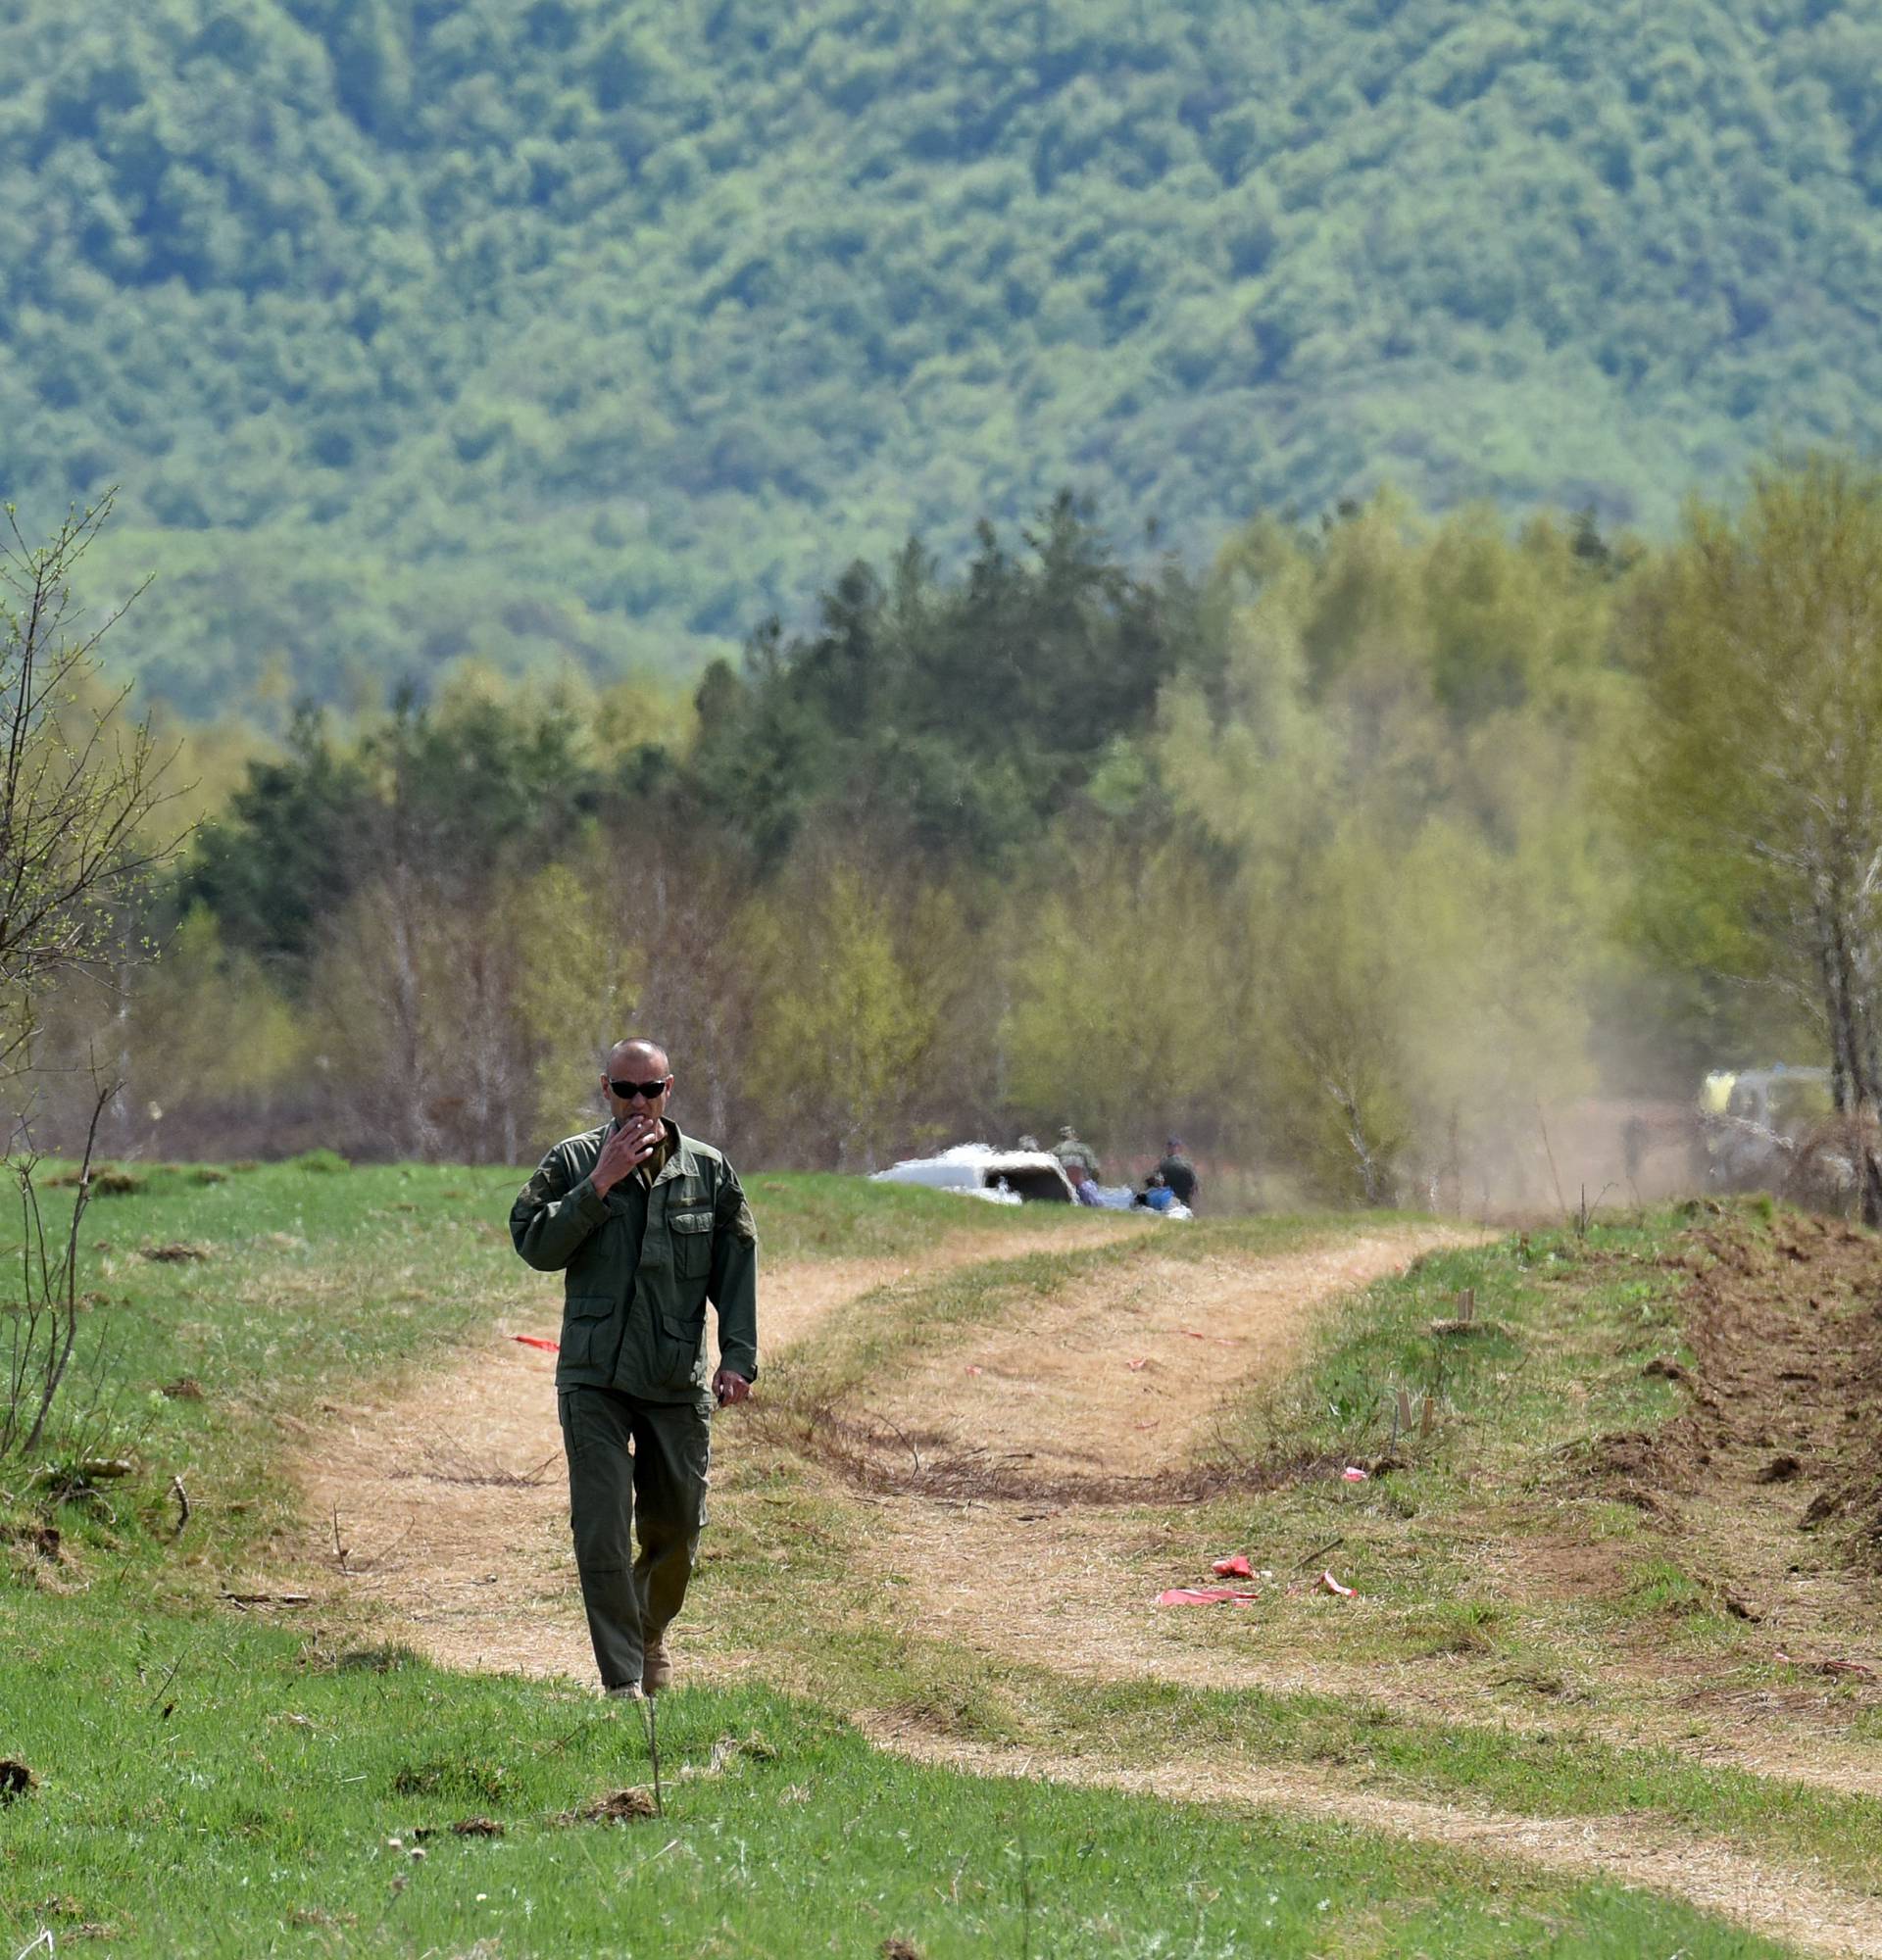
(1342, 853)
(578, 332)
(1321, 856)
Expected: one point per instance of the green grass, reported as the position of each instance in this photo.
(304, 1279)
(1572, 1321)
(222, 1789)
(1560, 1770)
(1567, 1326)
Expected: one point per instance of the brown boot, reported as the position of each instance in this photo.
(656, 1666)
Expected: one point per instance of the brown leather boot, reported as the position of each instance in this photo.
(656, 1666)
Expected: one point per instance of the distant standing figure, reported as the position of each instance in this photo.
(1179, 1173)
(1633, 1148)
(646, 1226)
(1069, 1151)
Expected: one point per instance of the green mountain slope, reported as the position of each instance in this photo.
(601, 327)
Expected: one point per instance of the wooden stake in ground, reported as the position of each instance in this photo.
(1466, 1321)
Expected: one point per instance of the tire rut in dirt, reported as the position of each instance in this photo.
(882, 1459)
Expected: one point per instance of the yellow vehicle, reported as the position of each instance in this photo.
(1716, 1091)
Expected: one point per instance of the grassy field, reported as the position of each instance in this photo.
(217, 1779)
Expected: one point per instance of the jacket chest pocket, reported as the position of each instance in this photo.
(693, 1237)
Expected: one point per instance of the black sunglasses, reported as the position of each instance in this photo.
(649, 1091)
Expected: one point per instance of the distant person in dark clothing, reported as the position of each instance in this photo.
(1179, 1173)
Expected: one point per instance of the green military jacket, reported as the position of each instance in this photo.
(1069, 1151)
(633, 1315)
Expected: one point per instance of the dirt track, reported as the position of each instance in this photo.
(446, 1510)
(1120, 1381)
(450, 1510)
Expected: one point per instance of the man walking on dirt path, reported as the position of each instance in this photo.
(646, 1225)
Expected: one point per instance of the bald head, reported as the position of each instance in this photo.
(638, 1079)
(638, 1057)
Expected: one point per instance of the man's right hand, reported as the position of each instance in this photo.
(623, 1153)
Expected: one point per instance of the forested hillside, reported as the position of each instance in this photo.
(523, 329)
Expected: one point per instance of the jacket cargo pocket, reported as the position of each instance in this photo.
(587, 1319)
(692, 1236)
(682, 1339)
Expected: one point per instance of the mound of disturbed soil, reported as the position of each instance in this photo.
(1785, 1390)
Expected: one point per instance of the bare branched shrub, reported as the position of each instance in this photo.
(43, 1324)
(82, 787)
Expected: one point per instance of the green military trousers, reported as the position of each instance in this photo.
(634, 1468)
